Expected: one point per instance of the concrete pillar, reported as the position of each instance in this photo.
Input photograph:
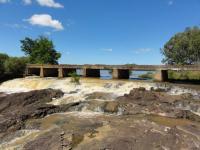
(115, 74)
(120, 74)
(60, 72)
(92, 73)
(161, 75)
(84, 72)
(26, 73)
(41, 72)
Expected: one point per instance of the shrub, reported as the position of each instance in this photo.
(148, 75)
(15, 66)
(3, 58)
(184, 75)
(75, 78)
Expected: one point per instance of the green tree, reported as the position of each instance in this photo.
(183, 48)
(40, 51)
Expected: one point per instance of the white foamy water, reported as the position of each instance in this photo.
(75, 93)
(72, 92)
(178, 90)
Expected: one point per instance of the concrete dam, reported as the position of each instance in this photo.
(118, 71)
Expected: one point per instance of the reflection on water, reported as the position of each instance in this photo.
(107, 74)
(135, 75)
(79, 72)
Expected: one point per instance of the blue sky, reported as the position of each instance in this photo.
(97, 31)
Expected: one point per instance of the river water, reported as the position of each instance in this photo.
(106, 74)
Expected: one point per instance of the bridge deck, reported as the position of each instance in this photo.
(127, 67)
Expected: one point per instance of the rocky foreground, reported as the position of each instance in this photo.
(140, 120)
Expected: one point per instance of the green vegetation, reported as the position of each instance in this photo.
(184, 75)
(40, 50)
(3, 58)
(75, 78)
(148, 75)
(183, 48)
(176, 75)
(12, 66)
(15, 65)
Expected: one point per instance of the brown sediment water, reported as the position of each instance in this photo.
(167, 121)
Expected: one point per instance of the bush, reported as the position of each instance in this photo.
(184, 75)
(15, 66)
(12, 67)
(75, 78)
(3, 58)
(148, 75)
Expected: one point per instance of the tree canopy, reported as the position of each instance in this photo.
(183, 48)
(40, 50)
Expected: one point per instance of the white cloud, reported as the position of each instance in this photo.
(4, 1)
(107, 49)
(170, 3)
(45, 20)
(27, 2)
(142, 50)
(47, 3)
(50, 3)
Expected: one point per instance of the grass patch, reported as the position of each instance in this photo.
(184, 75)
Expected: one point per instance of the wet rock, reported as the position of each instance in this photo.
(186, 114)
(159, 103)
(47, 141)
(2, 94)
(15, 109)
(148, 120)
(100, 95)
(111, 107)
